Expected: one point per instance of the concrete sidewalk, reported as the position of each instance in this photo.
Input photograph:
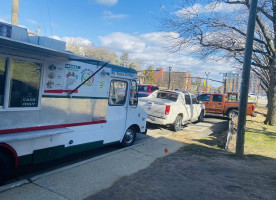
(83, 179)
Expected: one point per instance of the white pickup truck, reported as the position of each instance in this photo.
(168, 107)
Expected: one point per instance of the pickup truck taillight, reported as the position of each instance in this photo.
(253, 107)
(167, 110)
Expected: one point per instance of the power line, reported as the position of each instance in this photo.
(49, 17)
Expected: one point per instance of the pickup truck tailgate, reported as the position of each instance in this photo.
(153, 106)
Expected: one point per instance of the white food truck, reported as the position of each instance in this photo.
(54, 103)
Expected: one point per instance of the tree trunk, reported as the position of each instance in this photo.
(271, 113)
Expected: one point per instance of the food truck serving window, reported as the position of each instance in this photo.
(24, 84)
(19, 84)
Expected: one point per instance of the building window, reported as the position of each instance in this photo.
(117, 93)
(24, 84)
(2, 80)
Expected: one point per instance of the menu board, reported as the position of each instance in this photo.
(63, 78)
(54, 78)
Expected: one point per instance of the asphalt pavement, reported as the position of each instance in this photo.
(85, 178)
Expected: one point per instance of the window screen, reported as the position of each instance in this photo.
(117, 93)
(24, 84)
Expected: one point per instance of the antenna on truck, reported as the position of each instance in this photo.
(87, 79)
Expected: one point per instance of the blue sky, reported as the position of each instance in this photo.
(118, 25)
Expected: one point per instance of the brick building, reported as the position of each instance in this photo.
(179, 80)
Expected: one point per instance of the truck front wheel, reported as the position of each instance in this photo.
(5, 167)
(176, 126)
(129, 137)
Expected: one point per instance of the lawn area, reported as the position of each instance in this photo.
(260, 139)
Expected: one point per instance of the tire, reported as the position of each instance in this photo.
(201, 116)
(176, 126)
(129, 137)
(5, 167)
(231, 113)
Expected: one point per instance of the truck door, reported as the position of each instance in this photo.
(185, 107)
(216, 105)
(132, 110)
(205, 98)
(116, 116)
(196, 108)
(189, 107)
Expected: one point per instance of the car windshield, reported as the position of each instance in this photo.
(167, 95)
(142, 88)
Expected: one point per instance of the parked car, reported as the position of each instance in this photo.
(146, 90)
(224, 104)
(252, 95)
(168, 107)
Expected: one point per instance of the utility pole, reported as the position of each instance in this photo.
(207, 74)
(224, 82)
(246, 78)
(170, 68)
(14, 18)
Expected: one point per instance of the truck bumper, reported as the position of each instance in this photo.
(157, 120)
(145, 131)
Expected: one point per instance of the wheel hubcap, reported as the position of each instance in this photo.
(178, 124)
(129, 136)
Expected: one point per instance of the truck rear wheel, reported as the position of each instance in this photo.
(176, 126)
(201, 116)
(5, 167)
(232, 113)
(129, 137)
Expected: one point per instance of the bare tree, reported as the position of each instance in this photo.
(218, 29)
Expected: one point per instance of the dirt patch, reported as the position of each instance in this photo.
(197, 172)
(200, 170)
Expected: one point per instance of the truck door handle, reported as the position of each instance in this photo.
(207, 102)
(219, 103)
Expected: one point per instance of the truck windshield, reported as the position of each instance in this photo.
(166, 95)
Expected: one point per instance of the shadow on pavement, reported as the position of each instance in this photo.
(198, 172)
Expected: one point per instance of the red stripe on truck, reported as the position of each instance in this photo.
(16, 130)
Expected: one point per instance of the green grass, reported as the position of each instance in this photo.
(260, 140)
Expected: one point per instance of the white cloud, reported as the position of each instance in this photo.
(2, 20)
(109, 15)
(83, 42)
(213, 7)
(32, 21)
(151, 49)
(106, 2)
(162, 8)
